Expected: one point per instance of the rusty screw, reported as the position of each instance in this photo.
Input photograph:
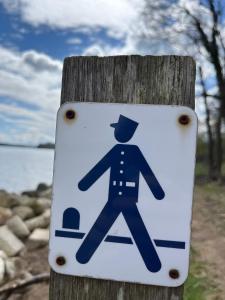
(174, 273)
(70, 114)
(184, 120)
(60, 260)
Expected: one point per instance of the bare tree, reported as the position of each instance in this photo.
(211, 40)
(211, 142)
(200, 27)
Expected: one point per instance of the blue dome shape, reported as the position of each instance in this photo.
(71, 218)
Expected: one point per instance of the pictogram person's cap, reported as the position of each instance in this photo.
(125, 123)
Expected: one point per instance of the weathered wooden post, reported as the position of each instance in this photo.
(166, 80)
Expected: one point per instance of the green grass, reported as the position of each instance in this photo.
(194, 288)
(201, 169)
(198, 286)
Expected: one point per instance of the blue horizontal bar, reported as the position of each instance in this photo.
(69, 234)
(120, 239)
(170, 244)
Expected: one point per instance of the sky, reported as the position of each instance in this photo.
(35, 37)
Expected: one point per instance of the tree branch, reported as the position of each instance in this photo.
(222, 46)
(209, 128)
(7, 291)
(200, 30)
(212, 96)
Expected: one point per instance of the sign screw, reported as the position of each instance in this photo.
(174, 273)
(70, 114)
(184, 120)
(60, 260)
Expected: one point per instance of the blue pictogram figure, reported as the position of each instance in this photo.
(126, 163)
(71, 218)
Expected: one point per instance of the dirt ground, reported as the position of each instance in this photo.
(208, 234)
(208, 241)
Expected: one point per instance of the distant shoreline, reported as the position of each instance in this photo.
(40, 146)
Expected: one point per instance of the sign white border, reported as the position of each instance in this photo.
(169, 147)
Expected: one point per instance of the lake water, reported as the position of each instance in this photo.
(24, 168)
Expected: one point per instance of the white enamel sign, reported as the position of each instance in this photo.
(122, 192)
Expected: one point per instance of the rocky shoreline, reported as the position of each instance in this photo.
(24, 227)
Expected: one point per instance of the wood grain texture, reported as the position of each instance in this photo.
(126, 79)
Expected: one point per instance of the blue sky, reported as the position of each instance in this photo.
(35, 37)
(55, 42)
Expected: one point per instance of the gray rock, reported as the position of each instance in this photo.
(35, 193)
(41, 221)
(46, 194)
(24, 212)
(12, 267)
(8, 200)
(30, 194)
(42, 187)
(9, 243)
(38, 238)
(41, 205)
(2, 270)
(47, 214)
(27, 201)
(3, 255)
(5, 214)
(18, 227)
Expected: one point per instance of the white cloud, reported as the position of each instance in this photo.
(32, 79)
(114, 15)
(29, 76)
(129, 46)
(74, 41)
